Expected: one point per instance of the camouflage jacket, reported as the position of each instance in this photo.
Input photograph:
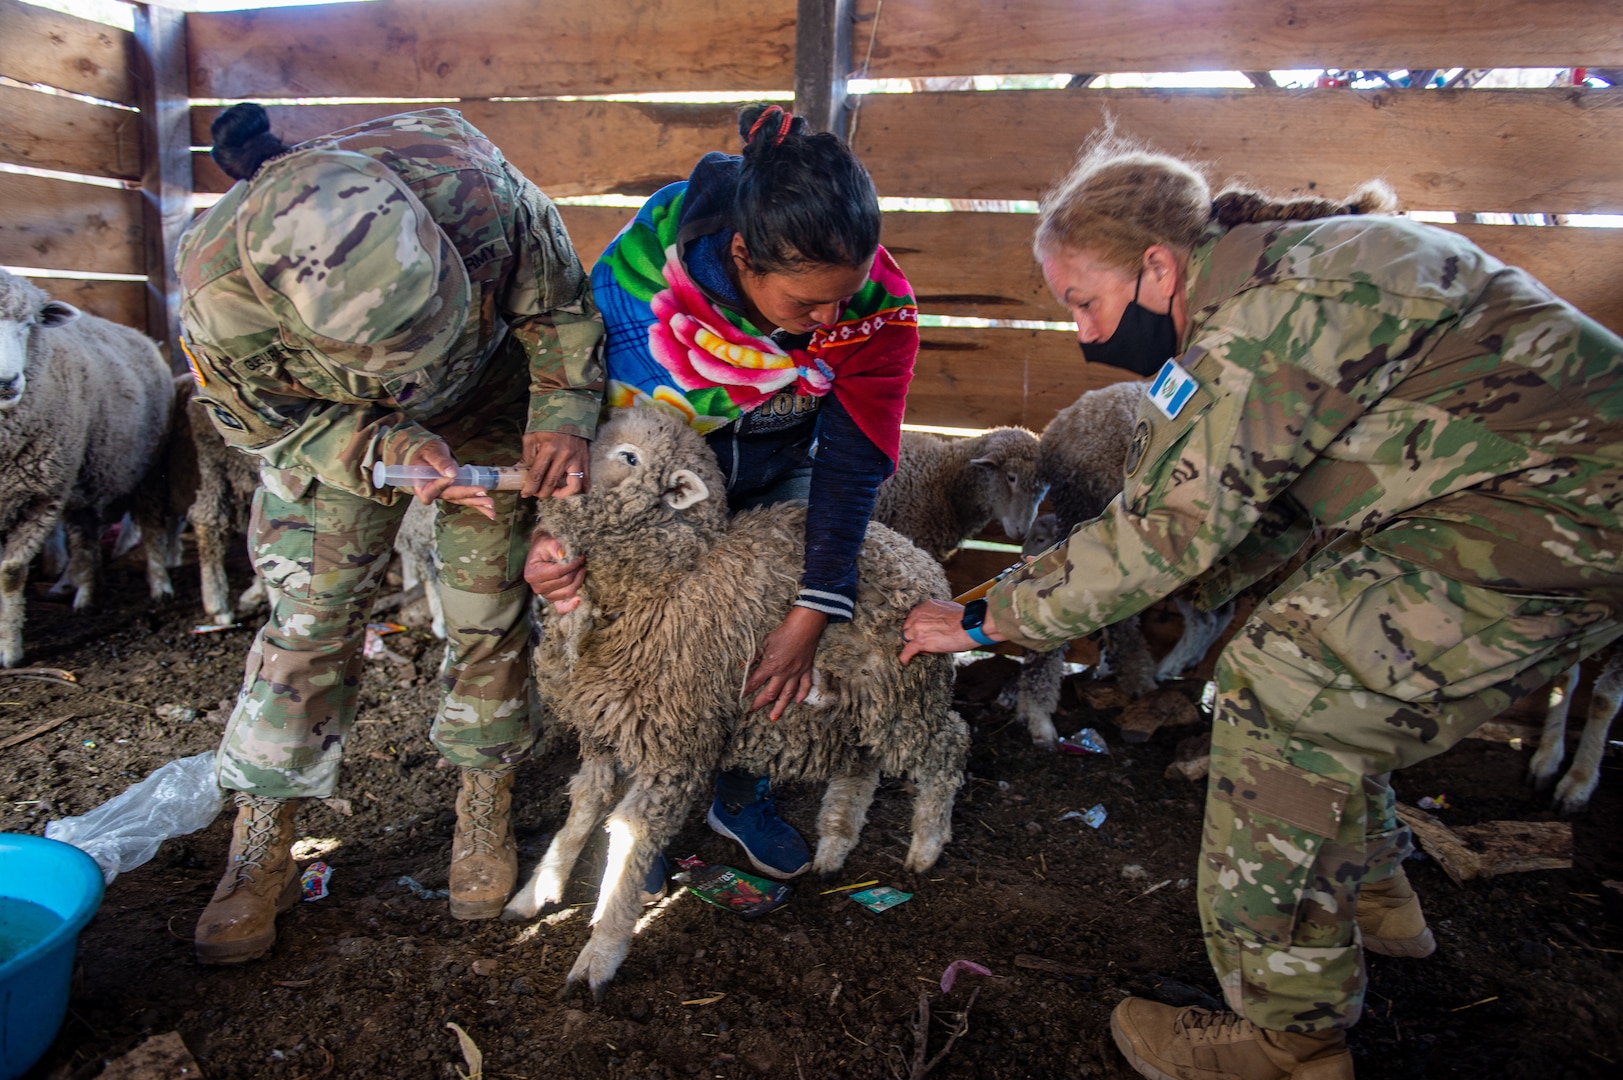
(308, 415)
(1374, 375)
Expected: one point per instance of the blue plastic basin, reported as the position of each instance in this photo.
(34, 979)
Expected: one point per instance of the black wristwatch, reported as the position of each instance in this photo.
(974, 615)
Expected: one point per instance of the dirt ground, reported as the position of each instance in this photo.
(1526, 982)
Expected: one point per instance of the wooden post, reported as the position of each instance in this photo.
(822, 62)
(166, 175)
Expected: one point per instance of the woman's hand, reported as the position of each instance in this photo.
(937, 626)
(783, 667)
(438, 456)
(555, 581)
(556, 465)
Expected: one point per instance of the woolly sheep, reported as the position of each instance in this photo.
(415, 545)
(648, 670)
(84, 404)
(211, 485)
(1573, 792)
(947, 490)
(1081, 457)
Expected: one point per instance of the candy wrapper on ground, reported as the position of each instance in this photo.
(882, 898)
(1086, 741)
(738, 892)
(313, 882)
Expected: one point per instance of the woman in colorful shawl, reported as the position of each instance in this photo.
(754, 299)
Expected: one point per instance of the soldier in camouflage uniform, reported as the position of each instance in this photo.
(1459, 424)
(394, 292)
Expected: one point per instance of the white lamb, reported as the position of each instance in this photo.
(648, 670)
(84, 404)
(1606, 698)
(944, 491)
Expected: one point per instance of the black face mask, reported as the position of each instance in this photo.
(1143, 340)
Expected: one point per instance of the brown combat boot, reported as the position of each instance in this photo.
(1390, 919)
(484, 859)
(261, 881)
(1167, 1043)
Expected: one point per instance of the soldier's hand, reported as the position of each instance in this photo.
(437, 455)
(556, 464)
(549, 576)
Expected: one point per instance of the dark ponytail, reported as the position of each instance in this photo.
(803, 197)
(243, 140)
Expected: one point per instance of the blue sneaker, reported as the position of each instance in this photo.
(653, 886)
(771, 843)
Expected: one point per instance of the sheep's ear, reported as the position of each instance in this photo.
(984, 462)
(685, 489)
(56, 313)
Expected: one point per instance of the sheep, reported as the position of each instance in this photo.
(1081, 457)
(415, 545)
(647, 671)
(947, 490)
(84, 404)
(1573, 792)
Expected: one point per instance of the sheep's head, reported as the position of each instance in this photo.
(23, 308)
(654, 485)
(1007, 463)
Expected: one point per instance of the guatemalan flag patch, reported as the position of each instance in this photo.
(1172, 389)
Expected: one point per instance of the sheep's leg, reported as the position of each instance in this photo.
(34, 524)
(1200, 630)
(84, 557)
(252, 597)
(1552, 741)
(1573, 792)
(639, 827)
(589, 793)
(932, 818)
(1130, 657)
(211, 544)
(1040, 680)
(844, 813)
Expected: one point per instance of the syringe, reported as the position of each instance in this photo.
(489, 477)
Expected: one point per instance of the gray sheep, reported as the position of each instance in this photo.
(947, 490)
(648, 672)
(1082, 455)
(84, 404)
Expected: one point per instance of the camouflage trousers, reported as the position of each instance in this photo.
(322, 558)
(1358, 665)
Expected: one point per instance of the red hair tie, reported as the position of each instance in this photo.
(785, 121)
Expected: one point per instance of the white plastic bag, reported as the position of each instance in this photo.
(125, 831)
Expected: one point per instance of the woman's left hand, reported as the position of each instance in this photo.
(556, 464)
(783, 668)
(936, 626)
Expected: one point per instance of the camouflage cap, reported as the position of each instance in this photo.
(349, 261)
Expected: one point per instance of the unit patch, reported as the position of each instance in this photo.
(1138, 449)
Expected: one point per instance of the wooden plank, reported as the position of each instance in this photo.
(47, 47)
(967, 37)
(822, 62)
(1512, 151)
(166, 181)
(971, 265)
(495, 48)
(986, 377)
(54, 131)
(61, 225)
(566, 147)
(120, 301)
(592, 227)
(1002, 281)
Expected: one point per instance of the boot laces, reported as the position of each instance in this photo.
(1206, 1024)
(259, 836)
(483, 787)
